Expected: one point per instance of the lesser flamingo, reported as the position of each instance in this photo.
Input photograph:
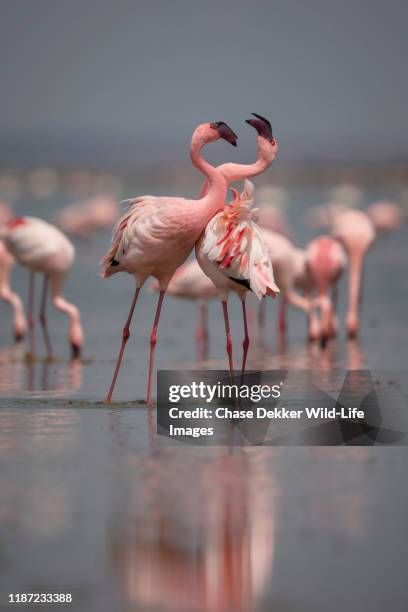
(43, 248)
(156, 235)
(9, 296)
(356, 232)
(326, 260)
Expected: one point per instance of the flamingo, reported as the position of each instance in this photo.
(6, 294)
(189, 282)
(272, 202)
(386, 216)
(356, 232)
(326, 260)
(87, 217)
(233, 254)
(41, 247)
(285, 263)
(156, 235)
(5, 213)
(267, 149)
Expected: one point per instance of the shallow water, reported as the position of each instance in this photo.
(91, 504)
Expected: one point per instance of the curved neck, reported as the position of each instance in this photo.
(236, 172)
(212, 175)
(213, 196)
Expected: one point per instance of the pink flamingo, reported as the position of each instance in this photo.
(386, 216)
(233, 254)
(156, 235)
(89, 216)
(326, 260)
(41, 247)
(322, 215)
(285, 262)
(356, 232)
(6, 294)
(271, 202)
(189, 282)
(5, 213)
(267, 149)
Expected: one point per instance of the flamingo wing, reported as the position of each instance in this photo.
(240, 253)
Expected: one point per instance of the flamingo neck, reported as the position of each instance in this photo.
(213, 197)
(237, 172)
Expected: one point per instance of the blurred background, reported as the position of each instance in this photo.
(98, 103)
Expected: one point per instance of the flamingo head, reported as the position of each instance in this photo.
(263, 127)
(221, 130)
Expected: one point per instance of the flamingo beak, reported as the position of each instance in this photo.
(262, 126)
(225, 132)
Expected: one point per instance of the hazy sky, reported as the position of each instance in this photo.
(131, 79)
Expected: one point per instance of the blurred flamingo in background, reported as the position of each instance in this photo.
(326, 260)
(349, 194)
(271, 202)
(6, 294)
(41, 247)
(156, 234)
(356, 232)
(89, 216)
(323, 215)
(286, 267)
(387, 216)
(189, 282)
(5, 213)
(233, 254)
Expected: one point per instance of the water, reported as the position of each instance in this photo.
(91, 504)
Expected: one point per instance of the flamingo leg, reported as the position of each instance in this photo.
(19, 321)
(31, 287)
(228, 335)
(43, 318)
(125, 338)
(355, 278)
(153, 342)
(245, 344)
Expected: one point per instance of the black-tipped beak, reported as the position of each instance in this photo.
(225, 132)
(262, 126)
(75, 351)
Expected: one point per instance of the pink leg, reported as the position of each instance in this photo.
(245, 344)
(31, 286)
(125, 338)
(43, 318)
(228, 334)
(153, 342)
